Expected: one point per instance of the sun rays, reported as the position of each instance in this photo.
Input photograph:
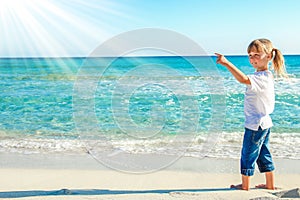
(52, 28)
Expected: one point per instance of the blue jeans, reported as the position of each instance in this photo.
(256, 149)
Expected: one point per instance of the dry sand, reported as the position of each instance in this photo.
(53, 176)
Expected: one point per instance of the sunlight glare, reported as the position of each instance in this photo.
(10, 4)
(55, 28)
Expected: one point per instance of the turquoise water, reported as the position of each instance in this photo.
(37, 98)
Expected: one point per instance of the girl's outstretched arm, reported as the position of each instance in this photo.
(238, 75)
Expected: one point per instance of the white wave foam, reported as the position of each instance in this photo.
(33, 145)
(227, 145)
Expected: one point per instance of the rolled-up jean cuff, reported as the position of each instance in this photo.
(247, 172)
(267, 168)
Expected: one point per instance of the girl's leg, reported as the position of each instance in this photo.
(245, 184)
(250, 151)
(265, 164)
(270, 185)
(270, 180)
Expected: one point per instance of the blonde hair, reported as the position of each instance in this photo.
(266, 46)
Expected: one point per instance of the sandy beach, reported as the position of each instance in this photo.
(54, 176)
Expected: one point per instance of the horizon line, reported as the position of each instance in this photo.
(134, 56)
(112, 56)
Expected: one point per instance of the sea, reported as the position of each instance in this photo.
(164, 105)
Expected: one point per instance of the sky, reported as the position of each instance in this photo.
(62, 28)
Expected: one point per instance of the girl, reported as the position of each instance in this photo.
(258, 105)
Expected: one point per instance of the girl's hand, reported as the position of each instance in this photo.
(239, 75)
(221, 59)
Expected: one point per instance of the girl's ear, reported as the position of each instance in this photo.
(270, 56)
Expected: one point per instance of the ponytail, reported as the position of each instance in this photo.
(278, 63)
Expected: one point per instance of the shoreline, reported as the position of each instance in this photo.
(85, 161)
(82, 177)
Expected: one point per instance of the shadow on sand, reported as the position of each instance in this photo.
(33, 193)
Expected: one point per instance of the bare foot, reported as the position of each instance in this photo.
(264, 186)
(238, 187)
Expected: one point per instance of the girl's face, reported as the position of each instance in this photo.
(259, 60)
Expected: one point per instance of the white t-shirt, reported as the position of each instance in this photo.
(259, 101)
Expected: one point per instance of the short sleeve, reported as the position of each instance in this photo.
(256, 83)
